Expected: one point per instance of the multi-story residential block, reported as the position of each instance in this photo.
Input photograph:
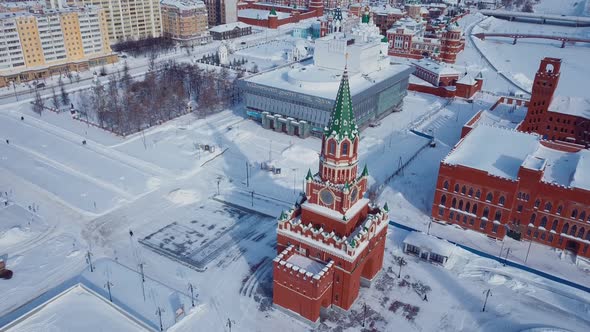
(42, 42)
(185, 20)
(129, 19)
(222, 11)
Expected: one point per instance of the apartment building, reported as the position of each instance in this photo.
(129, 19)
(42, 42)
(185, 21)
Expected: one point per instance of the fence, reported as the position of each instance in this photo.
(504, 261)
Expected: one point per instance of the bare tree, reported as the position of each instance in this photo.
(38, 104)
(54, 99)
(65, 98)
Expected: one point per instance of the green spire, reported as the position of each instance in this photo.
(365, 171)
(384, 39)
(309, 176)
(346, 186)
(273, 12)
(342, 122)
(282, 215)
(386, 207)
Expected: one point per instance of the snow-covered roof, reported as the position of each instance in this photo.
(503, 115)
(576, 106)
(229, 27)
(323, 82)
(260, 14)
(501, 152)
(386, 9)
(497, 151)
(440, 69)
(306, 263)
(184, 4)
(429, 243)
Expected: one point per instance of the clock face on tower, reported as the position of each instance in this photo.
(327, 197)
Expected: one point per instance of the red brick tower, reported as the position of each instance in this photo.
(451, 43)
(333, 239)
(273, 19)
(544, 86)
(318, 5)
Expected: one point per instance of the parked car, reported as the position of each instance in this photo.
(40, 85)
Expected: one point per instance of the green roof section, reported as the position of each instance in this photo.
(273, 12)
(342, 122)
(365, 171)
(309, 176)
(386, 207)
(384, 39)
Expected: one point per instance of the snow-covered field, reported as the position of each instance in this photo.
(506, 57)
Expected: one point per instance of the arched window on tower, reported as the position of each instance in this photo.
(470, 193)
(573, 230)
(478, 194)
(498, 216)
(460, 205)
(474, 209)
(533, 217)
(454, 203)
(457, 187)
(581, 232)
(443, 200)
(463, 190)
(344, 149)
(554, 226)
(467, 206)
(559, 209)
(548, 206)
(502, 200)
(446, 185)
(583, 215)
(332, 147)
(489, 197)
(486, 212)
(575, 213)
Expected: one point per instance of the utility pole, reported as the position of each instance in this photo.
(294, 180)
(501, 249)
(488, 293)
(108, 286)
(230, 323)
(89, 260)
(159, 312)
(190, 288)
(429, 224)
(364, 312)
(528, 250)
(142, 280)
(218, 181)
(247, 174)
(506, 258)
(252, 197)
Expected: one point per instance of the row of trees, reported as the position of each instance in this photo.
(57, 101)
(124, 105)
(145, 46)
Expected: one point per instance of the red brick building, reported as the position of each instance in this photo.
(334, 239)
(497, 180)
(442, 80)
(556, 117)
(407, 38)
(271, 16)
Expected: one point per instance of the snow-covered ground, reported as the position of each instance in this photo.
(157, 185)
(506, 57)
